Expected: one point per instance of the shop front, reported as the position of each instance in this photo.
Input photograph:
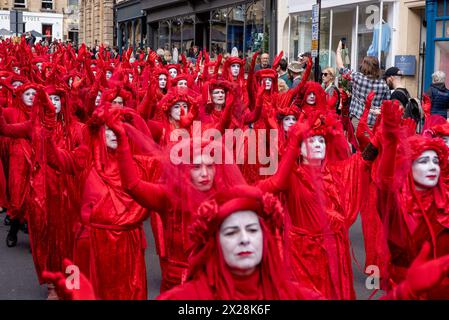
(218, 26)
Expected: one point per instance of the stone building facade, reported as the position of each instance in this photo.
(96, 22)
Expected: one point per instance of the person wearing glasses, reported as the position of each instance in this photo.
(328, 78)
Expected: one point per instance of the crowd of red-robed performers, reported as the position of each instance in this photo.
(85, 155)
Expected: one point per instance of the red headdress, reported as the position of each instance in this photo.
(418, 144)
(438, 130)
(183, 76)
(320, 94)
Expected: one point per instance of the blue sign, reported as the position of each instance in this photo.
(407, 64)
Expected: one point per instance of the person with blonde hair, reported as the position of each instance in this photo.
(328, 77)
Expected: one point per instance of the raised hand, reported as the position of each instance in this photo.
(113, 118)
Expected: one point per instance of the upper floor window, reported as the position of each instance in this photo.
(47, 4)
(20, 4)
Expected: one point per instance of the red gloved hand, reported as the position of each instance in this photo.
(410, 125)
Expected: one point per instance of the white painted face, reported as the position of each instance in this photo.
(111, 138)
(313, 148)
(268, 83)
(182, 84)
(108, 74)
(241, 241)
(173, 72)
(175, 111)
(162, 81)
(28, 97)
(130, 77)
(16, 84)
(235, 69)
(311, 98)
(39, 66)
(426, 170)
(16, 70)
(288, 121)
(202, 172)
(446, 140)
(98, 99)
(218, 96)
(56, 100)
(94, 73)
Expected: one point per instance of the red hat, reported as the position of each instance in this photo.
(173, 66)
(229, 62)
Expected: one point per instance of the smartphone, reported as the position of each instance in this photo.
(343, 43)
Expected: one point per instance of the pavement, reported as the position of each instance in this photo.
(18, 279)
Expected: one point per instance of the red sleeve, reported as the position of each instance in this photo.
(280, 180)
(16, 130)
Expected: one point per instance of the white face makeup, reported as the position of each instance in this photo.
(130, 77)
(173, 72)
(39, 66)
(218, 96)
(241, 241)
(16, 84)
(111, 138)
(202, 172)
(28, 97)
(311, 98)
(16, 70)
(94, 73)
(313, 148)
(108, 74)
(288, 121)
(98, 99)
(56, 100)
(426, 170)
(162, 81)
(175, 112)
(235, 69)
(182, 84)
(268, 83)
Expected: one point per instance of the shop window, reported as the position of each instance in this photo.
(164, 35)
(301, 34)
(47, 31)
(188, 36)
(255, 37)
(441, 8)
(342, 23)
(47, 4)
(235, 32)
(218, 32)
(176, 27)
(20, 4)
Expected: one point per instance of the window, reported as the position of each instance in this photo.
(47, 4)
(19, 4)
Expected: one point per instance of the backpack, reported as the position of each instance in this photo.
(413, 110)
